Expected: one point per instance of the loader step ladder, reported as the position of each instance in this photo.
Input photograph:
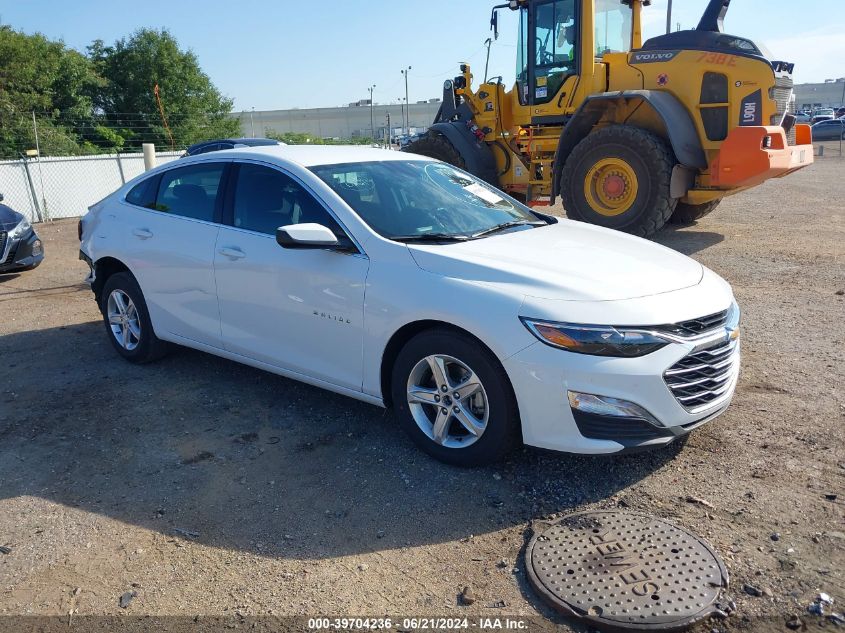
(539, 144)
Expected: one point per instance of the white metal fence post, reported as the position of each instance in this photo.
(120, 169)
(149, 156)
(32, 190)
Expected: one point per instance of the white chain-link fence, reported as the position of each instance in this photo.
(65, 186)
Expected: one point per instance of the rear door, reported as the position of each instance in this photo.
(171, 232)
(298, 309)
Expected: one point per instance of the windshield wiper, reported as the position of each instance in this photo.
(506, 225)
(429, 237)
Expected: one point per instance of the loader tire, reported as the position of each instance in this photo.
(618, 177)
(689, 213)
(436, 146)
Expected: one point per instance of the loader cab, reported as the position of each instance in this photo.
(552, 45)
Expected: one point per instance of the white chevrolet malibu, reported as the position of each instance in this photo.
(405, 282)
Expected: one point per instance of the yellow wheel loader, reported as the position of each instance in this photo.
(630, 135)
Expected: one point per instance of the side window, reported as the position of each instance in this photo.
(555, 40)
(144, 193)
(190, 192)
(265, 199)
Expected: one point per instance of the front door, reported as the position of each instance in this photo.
(298, 309)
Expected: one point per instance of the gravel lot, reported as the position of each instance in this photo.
(207, 487)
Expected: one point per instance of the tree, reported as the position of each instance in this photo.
(45, 77)
(193, 107)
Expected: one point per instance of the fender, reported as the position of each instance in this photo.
(682, 133)
(477, 155)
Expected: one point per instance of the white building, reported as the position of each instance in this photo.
(349, 121)
(830, 94)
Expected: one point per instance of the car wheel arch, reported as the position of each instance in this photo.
(104, 268)
(404, 334)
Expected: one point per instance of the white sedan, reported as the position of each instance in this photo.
(405, 282)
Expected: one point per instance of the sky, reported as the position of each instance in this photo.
(279, 54)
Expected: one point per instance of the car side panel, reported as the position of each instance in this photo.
(400, 293)
(172, 259)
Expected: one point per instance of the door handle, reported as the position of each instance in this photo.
(232, 253)
(144, 234)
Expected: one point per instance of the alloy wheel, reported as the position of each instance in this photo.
(448, 401)
(123, 320)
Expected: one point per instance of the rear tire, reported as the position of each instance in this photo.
(690, 213)
(478, 396)
(127, 320)
(619, 177)
(436, 146)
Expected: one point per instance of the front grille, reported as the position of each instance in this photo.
(782, 95)
(703, 376)
(3, 236)
(694, 327)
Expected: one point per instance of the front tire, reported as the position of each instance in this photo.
(453, 397)
(619, 177)
(437, 146)
(127, 320)
(690, 213)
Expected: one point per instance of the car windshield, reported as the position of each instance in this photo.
(410, 199)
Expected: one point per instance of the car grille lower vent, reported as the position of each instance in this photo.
(3, 237)
(703, 376)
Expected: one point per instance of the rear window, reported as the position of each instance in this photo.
(144, 193)
(190, 192)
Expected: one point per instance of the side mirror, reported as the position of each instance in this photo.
(308, 235)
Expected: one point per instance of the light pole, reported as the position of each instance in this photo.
(402, 109)
(372, 120)
(252, 122)
(408, 103)
(669, 17)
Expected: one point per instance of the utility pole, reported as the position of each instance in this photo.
(669, 17)
(372, 119)
(408, 103)
(252, 122)
(389, 132)
(402, 110)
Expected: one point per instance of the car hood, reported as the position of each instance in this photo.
(9, 218)
(566, 261)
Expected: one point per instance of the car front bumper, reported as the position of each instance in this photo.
(20, 253)
(543, 376)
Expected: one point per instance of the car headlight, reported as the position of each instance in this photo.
(732, 321)
(21, 229)
(596, 340)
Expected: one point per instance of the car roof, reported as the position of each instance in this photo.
(313, 155)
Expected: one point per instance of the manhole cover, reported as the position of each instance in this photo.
(623, 571)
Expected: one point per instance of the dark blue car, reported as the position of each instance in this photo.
(832, 130)
(228, 143)
(20, 247)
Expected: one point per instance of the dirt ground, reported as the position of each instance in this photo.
(207, 487)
